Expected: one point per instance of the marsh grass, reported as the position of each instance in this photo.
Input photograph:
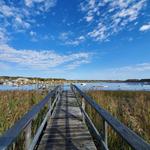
(130, 107)
(14, 104)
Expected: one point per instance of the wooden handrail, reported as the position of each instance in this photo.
(135, 141)
(11, 134)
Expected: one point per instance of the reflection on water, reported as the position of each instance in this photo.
(136, 86)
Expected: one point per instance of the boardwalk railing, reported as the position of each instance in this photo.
(25, 123)
(127, 135)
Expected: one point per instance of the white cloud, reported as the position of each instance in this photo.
(34, 37)
(91, 8)
(75, 41)
(13, 18)
(77, 63)
(49, 4)
(145, 27)
(22, 18)
(99, 33)
(19, 23)
(68, 38)
(130, 12)
(72, 42)
(64, 36)
(41, 60)
(32, 33)
(6, 10)
(45, 5)
(3, 36)
(81, 37)
(110, 17)
(30, 2)
(89, 18)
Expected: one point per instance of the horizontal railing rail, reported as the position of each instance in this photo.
(24, 124)
(135, 141)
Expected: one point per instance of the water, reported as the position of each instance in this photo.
(23, 87)
(136, 86)
(96, 86)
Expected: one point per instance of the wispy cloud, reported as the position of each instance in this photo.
(137, 67)
(32, 33)
(20, 23)
(145, 27)
(33, 36)
(3, 36)
(131, 71)
(22, 17)
(43, 59)
(123, 72)
(68, 38)
(64, 35)
(91, 8)
(109, 17)
(76, 64)
(12, 16)
(45, 5)
(6, 10)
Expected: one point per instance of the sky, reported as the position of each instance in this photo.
(75, 39)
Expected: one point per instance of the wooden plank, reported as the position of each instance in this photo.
(66, 130)
(69, 146)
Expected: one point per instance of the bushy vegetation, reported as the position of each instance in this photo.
(130, 107)
(14, 104)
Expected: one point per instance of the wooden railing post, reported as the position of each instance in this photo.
(28, 136)
(50, 104)
(83, 107)
(59, 91)
(105, 132)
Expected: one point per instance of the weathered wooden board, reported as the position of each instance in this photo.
(65, 130)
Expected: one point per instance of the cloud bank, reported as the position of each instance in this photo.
(43, 59)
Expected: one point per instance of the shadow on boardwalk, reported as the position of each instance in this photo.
(66, 130)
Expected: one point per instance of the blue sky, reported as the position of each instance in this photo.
(75, 39)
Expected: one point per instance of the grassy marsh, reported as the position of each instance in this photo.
(14, 104)
(130, 107)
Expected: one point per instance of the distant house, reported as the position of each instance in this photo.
(22, 81)
(1, 81)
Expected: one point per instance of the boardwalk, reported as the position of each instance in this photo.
(66, 131)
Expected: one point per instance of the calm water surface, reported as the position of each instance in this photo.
(114, 86)
(24, 87)
(87, 86)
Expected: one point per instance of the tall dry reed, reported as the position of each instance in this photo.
(14, 104)
(130, 107)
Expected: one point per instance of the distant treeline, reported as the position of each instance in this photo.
(31, 78)
(138, 80)
(72, 81)
(86, 81)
